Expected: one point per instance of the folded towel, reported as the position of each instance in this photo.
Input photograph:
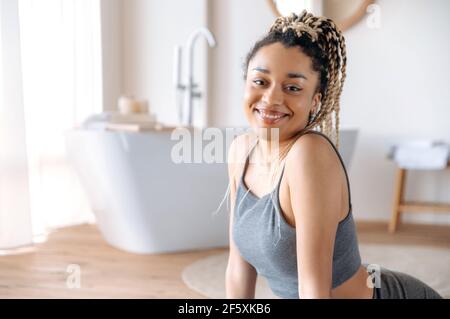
(421, 155)
(134, 127)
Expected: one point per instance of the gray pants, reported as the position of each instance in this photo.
(398, 285)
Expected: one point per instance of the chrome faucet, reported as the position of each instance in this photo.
(185, 110)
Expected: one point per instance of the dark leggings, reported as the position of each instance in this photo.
(398, 285)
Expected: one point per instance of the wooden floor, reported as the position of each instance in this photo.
(110, 273)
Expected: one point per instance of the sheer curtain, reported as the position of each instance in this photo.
(60, 50)
(15, 218)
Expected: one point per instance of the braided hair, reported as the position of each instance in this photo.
(321, 40)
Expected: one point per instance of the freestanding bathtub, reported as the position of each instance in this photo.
(143, 201)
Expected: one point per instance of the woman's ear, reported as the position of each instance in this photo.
(317, 98)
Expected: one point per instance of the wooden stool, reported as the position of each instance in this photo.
(401, 206)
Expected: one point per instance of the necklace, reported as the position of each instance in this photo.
(274, 163)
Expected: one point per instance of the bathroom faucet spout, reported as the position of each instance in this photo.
(190, 87)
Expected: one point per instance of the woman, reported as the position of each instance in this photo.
(291, 218)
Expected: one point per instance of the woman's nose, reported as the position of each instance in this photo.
(273, 95)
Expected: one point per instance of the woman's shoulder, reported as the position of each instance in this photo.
(314, 142)
(313, 170)
(312, 149)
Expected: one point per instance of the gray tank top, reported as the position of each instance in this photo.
(268, 242)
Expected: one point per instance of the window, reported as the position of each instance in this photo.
(62, 85)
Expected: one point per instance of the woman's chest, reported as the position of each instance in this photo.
(262, 181)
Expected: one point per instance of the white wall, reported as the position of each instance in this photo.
(112, 51)
(397, 88)
(151, 30)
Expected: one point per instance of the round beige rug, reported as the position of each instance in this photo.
(431, 265)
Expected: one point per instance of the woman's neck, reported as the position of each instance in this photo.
(270, 151)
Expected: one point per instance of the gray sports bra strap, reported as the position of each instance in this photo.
(246, 159)
(340, 158)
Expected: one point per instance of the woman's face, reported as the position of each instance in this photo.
(280, 90)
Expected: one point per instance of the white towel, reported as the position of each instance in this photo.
(421, 155)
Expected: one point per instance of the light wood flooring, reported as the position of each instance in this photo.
(107, 272)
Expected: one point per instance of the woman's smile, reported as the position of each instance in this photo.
(269, 117)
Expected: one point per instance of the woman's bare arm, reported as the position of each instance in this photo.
(240, 277)
(313, 176)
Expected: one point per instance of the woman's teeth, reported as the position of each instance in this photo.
(270, 117)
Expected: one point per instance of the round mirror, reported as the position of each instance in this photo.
(344, 13)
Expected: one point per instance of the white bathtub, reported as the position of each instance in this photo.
(144, 202)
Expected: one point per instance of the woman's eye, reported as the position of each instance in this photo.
(258, 82)
(294, 88)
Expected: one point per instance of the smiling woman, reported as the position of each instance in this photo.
(297, 230)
